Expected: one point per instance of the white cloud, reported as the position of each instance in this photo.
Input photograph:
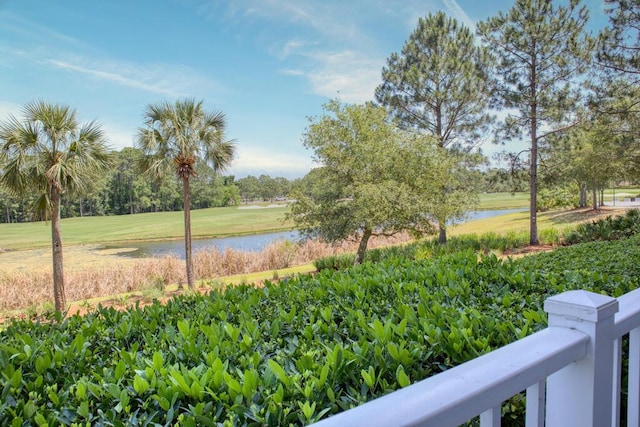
(253, 160)
(118, 136)
(293, 72)
(458, 13)
(28, 30)
(349, 75)
(54, 50)
(7, 108)
(291, 46)
(326, 19)
(160, 78)
(334, 45)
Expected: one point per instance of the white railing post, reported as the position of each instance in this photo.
(580, 394)
(633, 404)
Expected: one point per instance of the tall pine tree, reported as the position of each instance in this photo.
(619, 43)
(542, 50)
(438, 85)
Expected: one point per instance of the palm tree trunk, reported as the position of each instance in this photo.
(56, 242)
(187, 231)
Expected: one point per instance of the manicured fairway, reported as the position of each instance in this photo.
(214, 222)
(220, 222)
(490, 201)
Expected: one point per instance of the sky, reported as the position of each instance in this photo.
(269, 65)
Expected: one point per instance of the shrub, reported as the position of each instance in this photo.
(259, 356)
(609, 228)
(557, 198)
(335, 262)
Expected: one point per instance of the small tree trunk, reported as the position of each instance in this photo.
(187, 231)
(583, 194)
(56, 242)
(601, 196)
(362, 247)
(442, 236)
(595, 197)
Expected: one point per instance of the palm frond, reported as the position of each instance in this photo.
(180, 134)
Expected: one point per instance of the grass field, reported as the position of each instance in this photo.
(213, 222)
(559, 220)
(92, 271)
(490, 201)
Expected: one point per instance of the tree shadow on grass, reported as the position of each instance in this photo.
(579, 215)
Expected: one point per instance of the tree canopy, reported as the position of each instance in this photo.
(438, 83)
(372, 179)
(618, 43)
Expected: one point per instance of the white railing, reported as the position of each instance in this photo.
(571, 372)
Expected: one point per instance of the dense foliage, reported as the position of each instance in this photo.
(374, 180)
(609, 228)
(124, 190)
(293, 352)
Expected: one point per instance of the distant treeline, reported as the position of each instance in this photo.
(126, 190)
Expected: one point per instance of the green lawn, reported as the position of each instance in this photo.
(559, 219)
(521, 200)
(213, 222)
(491, 201)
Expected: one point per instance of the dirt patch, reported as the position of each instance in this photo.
(527, 250)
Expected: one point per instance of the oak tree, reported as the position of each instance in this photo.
(372, 179)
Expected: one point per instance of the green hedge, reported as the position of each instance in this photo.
(291, 353)
(609, 228)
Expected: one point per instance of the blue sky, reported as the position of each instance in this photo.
(268, 64)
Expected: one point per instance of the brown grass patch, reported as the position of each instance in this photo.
(22, 288)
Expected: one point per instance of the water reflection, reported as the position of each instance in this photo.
(254, 242)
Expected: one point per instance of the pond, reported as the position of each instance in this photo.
(255, 242)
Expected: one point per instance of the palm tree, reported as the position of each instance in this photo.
(174, 138)
(48, 154)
